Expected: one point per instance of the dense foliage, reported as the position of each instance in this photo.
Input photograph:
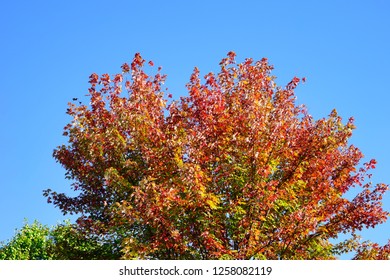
(233, 170)
(62, 242)
(29, 243)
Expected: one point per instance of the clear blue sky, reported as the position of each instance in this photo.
(49, 48)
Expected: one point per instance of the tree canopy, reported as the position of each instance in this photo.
(233, 170)
(61, 242)
(29, 243)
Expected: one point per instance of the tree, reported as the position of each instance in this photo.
(62, 242)
(234, 170)
(29, 243)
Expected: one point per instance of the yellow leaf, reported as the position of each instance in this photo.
(202, 191)
(211, 204)
(213, 201)
(178, 160)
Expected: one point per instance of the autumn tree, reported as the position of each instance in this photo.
(233, 170)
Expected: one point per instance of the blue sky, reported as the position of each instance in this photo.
(49, 48)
